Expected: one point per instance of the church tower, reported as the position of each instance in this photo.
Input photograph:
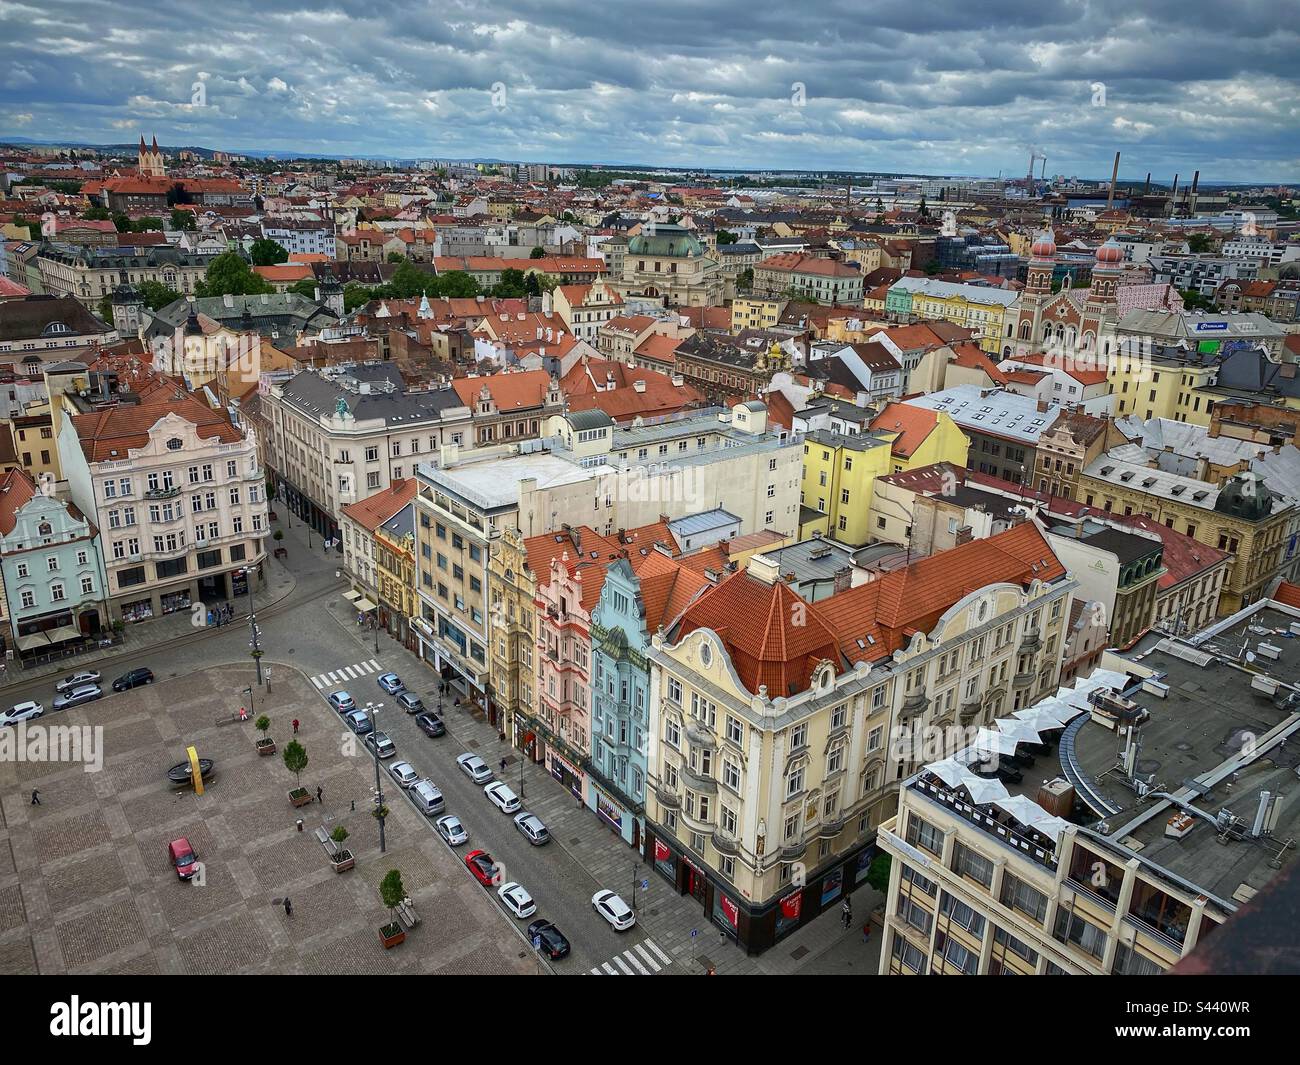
(1038, 290)
(1101, 306)
(150, 160)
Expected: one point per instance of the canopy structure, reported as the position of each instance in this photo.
(990, 741)
(1019, 730)
(1050, 826)
(950, 771)
(983, 790)
(364, 605)
(1023, 809)
(351, 596)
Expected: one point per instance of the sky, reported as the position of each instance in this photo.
(966, 87)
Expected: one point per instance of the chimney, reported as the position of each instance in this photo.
(1146, 189)
(639, 385)
(843, 579)
(763, 568)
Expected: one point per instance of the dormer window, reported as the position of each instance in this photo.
(174, 444)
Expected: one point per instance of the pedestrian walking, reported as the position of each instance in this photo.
(503, 765)
(295, 726)
(319, 795)
(36, 797)
(847, 912)
(288, 907)
(866, 932)
(354, 805)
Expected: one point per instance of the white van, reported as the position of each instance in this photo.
(427, 798)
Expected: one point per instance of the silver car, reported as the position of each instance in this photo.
(381, 744)
(404, 773)
(84, 694)
(533, 829)
(475, 768)
(450, 829)
(22, 712)
(85, 676)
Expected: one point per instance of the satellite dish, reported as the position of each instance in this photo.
(1250, 656)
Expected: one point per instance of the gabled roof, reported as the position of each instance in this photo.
(107, 435)
(374, 510)
(913, 424)
(16, 491)
(519, 390)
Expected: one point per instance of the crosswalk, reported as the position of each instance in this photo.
(636, 961)
(352, 672)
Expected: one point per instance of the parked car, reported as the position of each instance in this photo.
(404, 773)
(431, 725)
(133, 679)
(84, 676)
(410, 702)
(22, 712)
(391, 683)
(380, 743)
(359, 722)
(427, 797)
(617, 912)
(500, 796)
(85, 694)
(182, 857)
(450, 829)
(342, 702)
(475, 768)
(517, 900)
(485, 871)
(532, 828)
(548, 939)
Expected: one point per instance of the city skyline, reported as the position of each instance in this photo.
(940, 90)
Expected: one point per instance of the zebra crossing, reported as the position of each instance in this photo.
(635, 961)
(352, 672)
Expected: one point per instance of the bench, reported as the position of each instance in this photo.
(331, 848)
(406, 913)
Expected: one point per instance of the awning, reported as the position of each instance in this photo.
(32, 640)
(364, 605)
(351, 597)
(983, 791)
(63, 633)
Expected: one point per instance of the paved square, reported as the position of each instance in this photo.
(86, 886)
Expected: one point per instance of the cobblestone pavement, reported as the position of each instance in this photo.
(86, 885)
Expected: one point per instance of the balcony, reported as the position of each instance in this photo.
(970, 709)
(669, 799)
(699, 735)
(793, 851)
(915, 702)
(831, 826)
(699, 782)
(1023, 680)
(725, 843)
(1031, 643)
(163, 493)
(258, 474)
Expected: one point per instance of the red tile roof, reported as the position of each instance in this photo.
(374, 510)
(107, 435)
(16, 490)
(1288, 594)
(913, 424)
(518, 390)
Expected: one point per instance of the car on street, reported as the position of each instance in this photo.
(84, 694)
(617, 912)
(431, 725)
(133, 679)
(381, 743)
(410, 702)
(485, 870)
(182, 857)
(548, 939)
(474, 767)
(342, 702)
(500, 796)
(84, 676)
(517, 900)
(533, 829)
(427, 798)
(450, 829)
(359, 722)
(404, 773)
(391, 683)
(22, 712)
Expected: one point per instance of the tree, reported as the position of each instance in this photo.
(933, 267)
(396, 257)
(878, 872)
(106, 309)
(409, 281)
(745, 279)
(183, 220)
(392, 891)
(305, 287)
(156, 295)
(148, 224)
(456, 284)
(96, 214)
(230, 274)
(1199, 243)
(267, 252)
(537, 253)
(1194, 301)
(725, 236)
(295, 760)
(923, 211)
(355, 296)
(339, 836)
(511, 285)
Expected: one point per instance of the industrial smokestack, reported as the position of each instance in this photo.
(1114, 176)
(1196, 180)
(1146, 189)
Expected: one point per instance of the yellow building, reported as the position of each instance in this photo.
(839, 472)
(1155, 387)
(976, 307)
(395, 572)
(750, 312)
(920, 437)
(511, 591)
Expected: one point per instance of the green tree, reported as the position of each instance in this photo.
(745, 279)
(340, 836)
(537, 253)
(230, 275)
(305, 287)
(396, 257)
(392, 891)
(456, 284)
(156, 295)
(1199, 243)
(105, 306)
(355, 296)
(122, 223)
(1194, 301)
(149, 224)
(409, 281)
(725, 237)
(933, 267)
(511, 285)
(878, 872)
(267, 252)
(183, 220)
(96, 214)
(295, 759)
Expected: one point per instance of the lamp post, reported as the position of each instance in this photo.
(249, 574)
(252, 706)
(373, 710)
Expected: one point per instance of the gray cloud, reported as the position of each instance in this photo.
(947, 86)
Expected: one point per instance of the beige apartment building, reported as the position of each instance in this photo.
(179, 498)
(512, 591)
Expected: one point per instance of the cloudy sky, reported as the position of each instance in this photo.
(940, 86)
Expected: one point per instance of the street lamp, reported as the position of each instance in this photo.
(252, 706)
(249, 574)
(373, 710)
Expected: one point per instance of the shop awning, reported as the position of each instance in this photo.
(351, 597)
(364, 605)
(62, 633)
(32, 640)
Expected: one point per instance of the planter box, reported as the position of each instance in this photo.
(342, 864)
(390, 942)
(301, 800)
(266, 748)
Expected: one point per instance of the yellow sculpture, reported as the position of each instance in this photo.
(196, 775)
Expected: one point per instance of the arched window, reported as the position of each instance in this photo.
(1024, 330)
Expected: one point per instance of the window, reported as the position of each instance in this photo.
(794, 783)
(960, 914)
(921, 883)
(1071, 928)
(87, 585)
(799, 736)
(925, 835)
(915, 915)
(731, 774)
(28, 598)
(672, 734)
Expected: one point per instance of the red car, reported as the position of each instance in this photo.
(485, 871)
(182, 857)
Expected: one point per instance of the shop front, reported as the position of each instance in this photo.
(615, 813)
(568, 774)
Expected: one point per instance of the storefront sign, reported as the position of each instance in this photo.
(605, 808)
(791, 905)
(832, 885)
(730, 910)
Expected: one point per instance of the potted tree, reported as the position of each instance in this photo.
(392, 893)
(342, 859)
(295, 760)
(265, 745)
